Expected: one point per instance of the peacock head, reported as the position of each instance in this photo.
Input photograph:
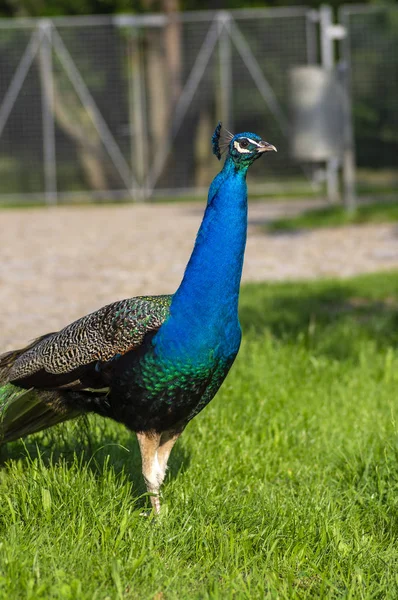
(243, 148)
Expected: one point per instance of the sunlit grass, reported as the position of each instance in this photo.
(336, 216)
(286, 486)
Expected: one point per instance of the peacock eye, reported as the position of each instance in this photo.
(244, 144)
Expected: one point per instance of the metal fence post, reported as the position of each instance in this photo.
(327, 58)
(47, 102)
(350, 200)
(137, 114)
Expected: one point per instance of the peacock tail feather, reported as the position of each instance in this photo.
(23, 412)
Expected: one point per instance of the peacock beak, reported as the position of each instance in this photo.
(266, 147)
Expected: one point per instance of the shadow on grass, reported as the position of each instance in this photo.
(97, 444)
(335, 318)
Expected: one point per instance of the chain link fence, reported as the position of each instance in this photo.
(124, 106)
(370, 49)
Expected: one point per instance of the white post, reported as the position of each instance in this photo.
(47, 103)
(327, 57)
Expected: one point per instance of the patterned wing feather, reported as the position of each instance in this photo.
(60, 359)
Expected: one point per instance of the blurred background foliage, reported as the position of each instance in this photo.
(42, 8)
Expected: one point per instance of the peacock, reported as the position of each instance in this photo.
(149, 362)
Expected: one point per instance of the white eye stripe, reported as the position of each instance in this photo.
(241, 150)
(253, 142)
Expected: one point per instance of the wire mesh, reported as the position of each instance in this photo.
(90, 79)
(234, 57)
(371, 51)
(133, 101)
(21, 156)
(125, 106)
(264, 38)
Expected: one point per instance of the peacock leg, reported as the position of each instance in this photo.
(167, 441)
(151, 470)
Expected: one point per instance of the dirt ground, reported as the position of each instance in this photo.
(58, 264)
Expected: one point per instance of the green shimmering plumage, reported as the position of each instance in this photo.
(159, 394)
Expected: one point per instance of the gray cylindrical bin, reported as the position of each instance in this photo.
(316, 102)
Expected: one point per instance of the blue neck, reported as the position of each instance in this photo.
(204, 310)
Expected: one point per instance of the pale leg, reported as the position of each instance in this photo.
(167, 441)
(149, 443)
(155, 451)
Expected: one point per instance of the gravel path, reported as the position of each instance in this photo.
(58, 264)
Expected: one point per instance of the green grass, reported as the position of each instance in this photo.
(285, 487)
(335, 216)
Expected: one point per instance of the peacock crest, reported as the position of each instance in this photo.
(220, 140)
